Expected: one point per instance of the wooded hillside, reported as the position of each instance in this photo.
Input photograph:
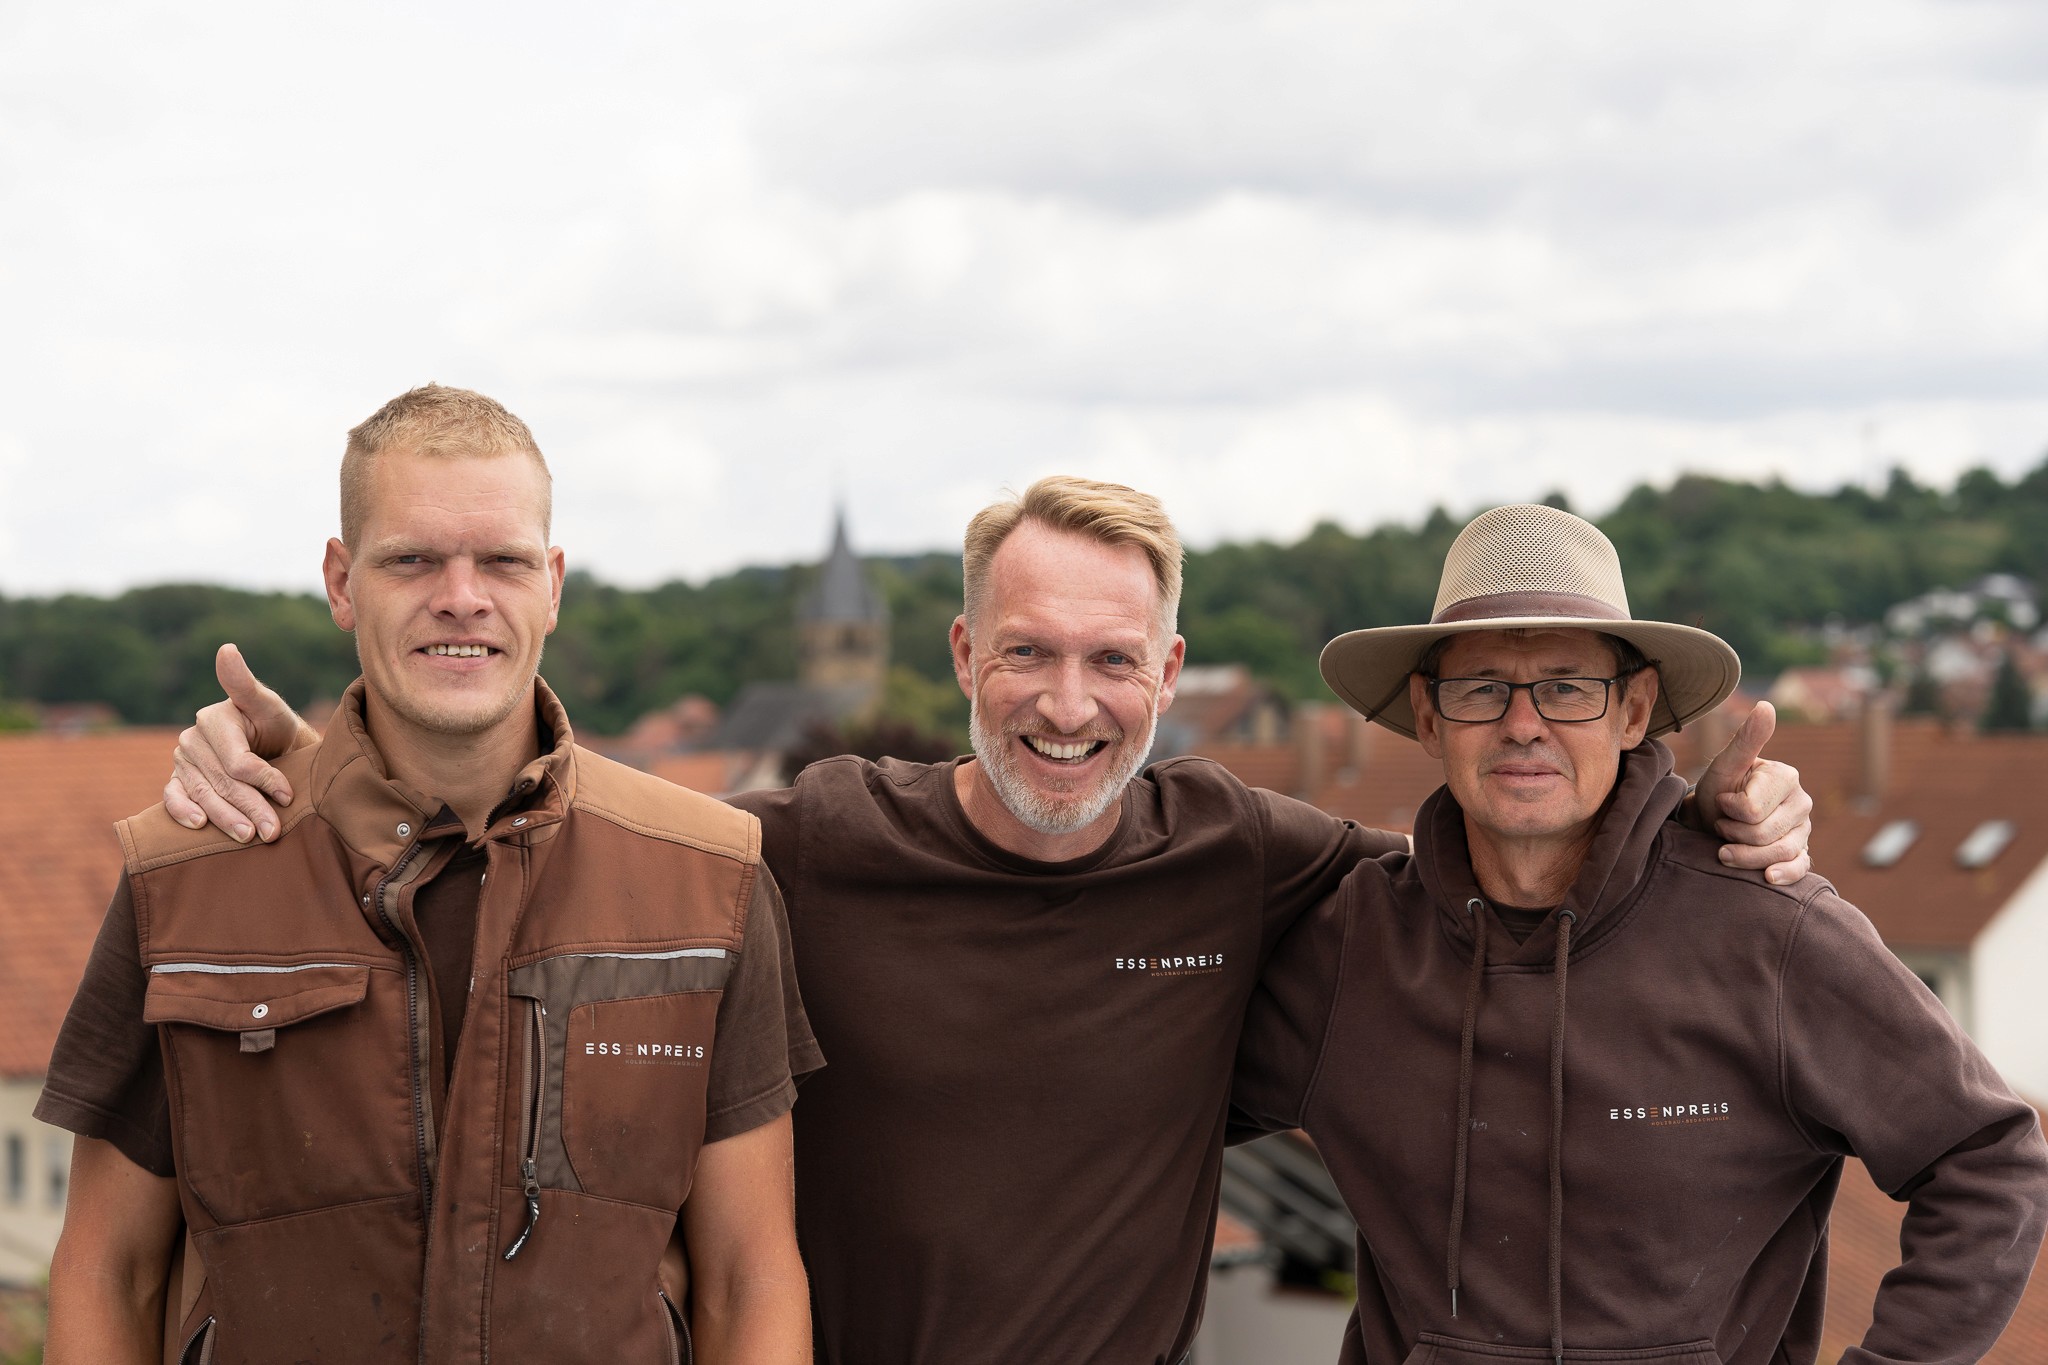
(1758, 564)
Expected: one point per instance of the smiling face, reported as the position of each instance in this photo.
(1068, 667)
(450, 590)
(1524, 780)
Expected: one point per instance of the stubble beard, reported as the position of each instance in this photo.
(1036, 810)
(458, 721)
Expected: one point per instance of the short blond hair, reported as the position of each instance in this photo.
(1108, 512)
(436, 420)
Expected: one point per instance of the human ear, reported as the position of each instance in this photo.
(1428, 727)
(963, 656)
(1636, 705)
(334, 567)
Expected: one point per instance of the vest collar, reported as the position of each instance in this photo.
(380, 818)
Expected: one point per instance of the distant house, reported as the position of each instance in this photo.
(1220, 704)
(1816, 695)
(1941, 837)
(60, 799)
(1998, 595)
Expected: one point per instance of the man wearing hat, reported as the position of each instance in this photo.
(1586, 1089)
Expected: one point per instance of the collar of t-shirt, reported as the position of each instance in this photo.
(1521, 921)
(956, 816)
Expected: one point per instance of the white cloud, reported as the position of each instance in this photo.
(1277, 261)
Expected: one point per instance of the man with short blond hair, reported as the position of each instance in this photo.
(1029, 966)
(1106, 512)
(435, 421)
(491, 1037)
(1586, 1088)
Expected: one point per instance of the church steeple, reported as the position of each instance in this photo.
(843, 622)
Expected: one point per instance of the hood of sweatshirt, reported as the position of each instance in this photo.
(1646, 793)
(1607, 886)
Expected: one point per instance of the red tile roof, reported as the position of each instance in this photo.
(1947, 783)
(1234, 1239)
(712, 772)
(59, 798)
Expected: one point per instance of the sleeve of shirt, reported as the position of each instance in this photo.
(1875, 1067)
(1281, 1047)
(776, 808)
(763, 1045)
(1308, 852)
(106, 1077)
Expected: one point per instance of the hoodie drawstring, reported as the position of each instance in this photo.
(1565, 920)
(1474, 980)
(1477, 976)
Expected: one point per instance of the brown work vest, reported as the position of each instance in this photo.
(336, 1217)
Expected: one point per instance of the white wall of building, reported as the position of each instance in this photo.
(2009, 1005)
(1249, 1322)
(1947, 974)
(35, 1167)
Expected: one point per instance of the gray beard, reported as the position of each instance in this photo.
(1035, 811)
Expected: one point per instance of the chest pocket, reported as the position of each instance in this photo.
(618, 1060)
(283, 1096)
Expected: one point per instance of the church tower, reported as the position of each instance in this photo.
(843, 625)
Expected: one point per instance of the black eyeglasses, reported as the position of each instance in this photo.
(1477, 701)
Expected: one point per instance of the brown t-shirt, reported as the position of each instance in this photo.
(1016, 1151)
(106, 1076)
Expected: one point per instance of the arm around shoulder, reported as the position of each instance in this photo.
(112, 1265)
(1280, 1049)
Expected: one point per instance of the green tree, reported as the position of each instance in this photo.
(1923, 695)
(937, 710)
(2011, 708)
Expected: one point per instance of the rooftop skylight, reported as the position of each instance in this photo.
(1986, 842)
(1890, 843)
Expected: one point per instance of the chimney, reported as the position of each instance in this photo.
(1308, 747)
(1359, 741)
(1873, 748)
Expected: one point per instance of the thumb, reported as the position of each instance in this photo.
(236, 679)
(1733, 763)
(262, 710)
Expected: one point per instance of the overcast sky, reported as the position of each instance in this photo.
(1277, 262)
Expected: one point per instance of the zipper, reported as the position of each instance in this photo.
(529, 1150)
(205, 1357)
(416, 1026)
(680, 1348)
(415, 1009)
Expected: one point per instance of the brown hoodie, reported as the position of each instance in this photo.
(1718, 1045)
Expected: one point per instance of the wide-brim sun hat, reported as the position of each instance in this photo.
(1529, 567)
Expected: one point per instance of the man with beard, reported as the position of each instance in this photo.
(1029, 967)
